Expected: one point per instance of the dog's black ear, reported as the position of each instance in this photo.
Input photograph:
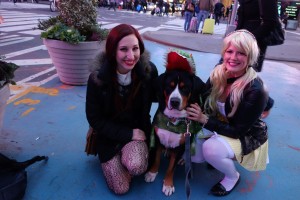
(159, 90)
(197, 90)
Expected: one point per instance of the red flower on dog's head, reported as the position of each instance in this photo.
(180, 60)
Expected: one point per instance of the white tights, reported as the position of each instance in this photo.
(217, 152)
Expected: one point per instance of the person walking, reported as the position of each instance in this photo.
(167, 8)
(188, 14)
(112, 4)
(205, 8)
(218, 12)
(284, 19)
(249, 18)
(118, 101)
(173, 8)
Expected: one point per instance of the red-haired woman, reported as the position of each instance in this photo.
(118, 102)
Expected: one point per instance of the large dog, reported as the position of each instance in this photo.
(176, 88)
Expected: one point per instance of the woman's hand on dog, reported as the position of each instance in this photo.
(195, 113)
(138, 134)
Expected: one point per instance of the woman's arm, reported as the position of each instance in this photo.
(249, 110)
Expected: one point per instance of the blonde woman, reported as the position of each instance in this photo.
(232, 113)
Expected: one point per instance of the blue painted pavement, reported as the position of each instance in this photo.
(50, 120)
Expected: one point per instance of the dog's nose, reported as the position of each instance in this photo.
(175, 102)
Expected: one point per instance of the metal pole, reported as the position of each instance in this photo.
(231, 27)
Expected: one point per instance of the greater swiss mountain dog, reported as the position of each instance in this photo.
(176, 88)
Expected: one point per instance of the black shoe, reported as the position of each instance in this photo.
(209, 166)
(220, 190)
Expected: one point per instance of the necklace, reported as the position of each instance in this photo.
(231, 80)
(124, 79)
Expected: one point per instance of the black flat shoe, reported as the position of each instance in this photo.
(220, 190)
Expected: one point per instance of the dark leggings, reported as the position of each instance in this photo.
(262, 53)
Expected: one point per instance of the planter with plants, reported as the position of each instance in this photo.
(7, 70)
(73, 38)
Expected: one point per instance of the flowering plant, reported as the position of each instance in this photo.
(76, 22)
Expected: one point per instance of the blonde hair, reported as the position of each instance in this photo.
(245, 41)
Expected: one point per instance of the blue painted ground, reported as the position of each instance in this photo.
(48, 123)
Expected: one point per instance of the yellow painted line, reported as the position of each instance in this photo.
(33, 89)
(19, 95)
(27, 111)
(71, 107)
(27, 102)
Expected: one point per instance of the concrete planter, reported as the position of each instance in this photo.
(72, 60)
(4, 95)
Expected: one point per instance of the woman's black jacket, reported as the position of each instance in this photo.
(114, 127)
(245, 124)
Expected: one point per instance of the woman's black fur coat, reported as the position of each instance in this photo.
(115, 127)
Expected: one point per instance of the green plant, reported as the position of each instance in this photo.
(7, 71)
(62, 32)
(77, 21)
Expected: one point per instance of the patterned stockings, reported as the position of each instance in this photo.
(132, 161)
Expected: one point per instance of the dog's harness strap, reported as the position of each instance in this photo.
(187, 159)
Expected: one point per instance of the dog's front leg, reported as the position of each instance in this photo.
(168, 187)
(152, 173)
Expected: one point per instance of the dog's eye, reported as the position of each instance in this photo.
(185, 89)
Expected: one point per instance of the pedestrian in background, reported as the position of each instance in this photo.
(112, 4)
(160, 5)
(249, 18)
(218, 12)
(1, 19)
(167, 8)
(188, 14)
(235, 100)
(118, 102)
(173, 8)
(205, 8)
(284, 19)
(129, 4)
(183, 8)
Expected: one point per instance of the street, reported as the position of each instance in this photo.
(22, 45)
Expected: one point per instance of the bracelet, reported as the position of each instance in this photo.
(206, 120)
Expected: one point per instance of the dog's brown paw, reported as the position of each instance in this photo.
(150, 176)
(168, 190)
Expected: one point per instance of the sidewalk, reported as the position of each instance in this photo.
(289, 51)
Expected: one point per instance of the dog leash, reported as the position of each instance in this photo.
(188, 173)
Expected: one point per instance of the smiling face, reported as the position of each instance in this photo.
(128, 53)
(235, 60)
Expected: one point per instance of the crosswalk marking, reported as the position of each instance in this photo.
(32, 32)
(19, 23)
(27, 62)
(110, 26)
(24, 24)
(24, 19)
(21, 52)
(18, 28)
(15, 40)
(30, 21)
